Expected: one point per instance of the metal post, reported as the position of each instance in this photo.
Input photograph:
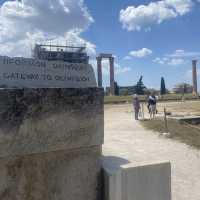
(143, 111)
(165, 120)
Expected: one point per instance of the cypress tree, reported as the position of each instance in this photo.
(162, 87)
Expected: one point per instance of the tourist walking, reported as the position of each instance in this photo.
(136, 106)
(152, 101)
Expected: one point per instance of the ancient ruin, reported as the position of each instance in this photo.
(99, 71)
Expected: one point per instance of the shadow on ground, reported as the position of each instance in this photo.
(113, 162)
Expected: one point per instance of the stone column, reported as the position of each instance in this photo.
(112, 76)
(99, 71)
(194, 75)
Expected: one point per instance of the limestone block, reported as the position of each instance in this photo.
(60, 175)
(145, 182)
(45, 120)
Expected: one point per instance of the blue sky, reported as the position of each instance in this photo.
(179, 33)
(148, 37)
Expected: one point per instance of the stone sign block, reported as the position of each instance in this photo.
(32, 73)
(51, 130)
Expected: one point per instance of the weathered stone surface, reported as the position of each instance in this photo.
(50, 143)
(44, 120)
(57, 175)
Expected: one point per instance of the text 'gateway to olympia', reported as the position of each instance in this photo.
(46, 77)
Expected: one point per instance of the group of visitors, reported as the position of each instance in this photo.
(151, 105)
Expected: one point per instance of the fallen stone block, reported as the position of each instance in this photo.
(143, 182)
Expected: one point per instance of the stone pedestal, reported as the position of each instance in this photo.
(50, 143)
(132, 182)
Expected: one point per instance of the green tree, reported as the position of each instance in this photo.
(139, 87)
(162, 87)
(116, 89)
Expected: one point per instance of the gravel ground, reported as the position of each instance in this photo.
(127, 139)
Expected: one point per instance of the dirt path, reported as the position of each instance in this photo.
(126, 138)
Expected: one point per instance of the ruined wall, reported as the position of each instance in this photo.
(50, 143)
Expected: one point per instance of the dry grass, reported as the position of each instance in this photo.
(168, 97)
(182, 132)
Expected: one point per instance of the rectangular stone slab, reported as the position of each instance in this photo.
(32, 73)
(43, 120)
(150, 181)
(61, 175)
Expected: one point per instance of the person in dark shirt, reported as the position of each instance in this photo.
(152, 101)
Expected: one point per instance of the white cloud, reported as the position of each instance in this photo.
(184, 54)
(127, 58)
(141, 53)
(169, 61)
(176, 61)
(159, 60)
(178, 57)
(144, 16)
(24, 24)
